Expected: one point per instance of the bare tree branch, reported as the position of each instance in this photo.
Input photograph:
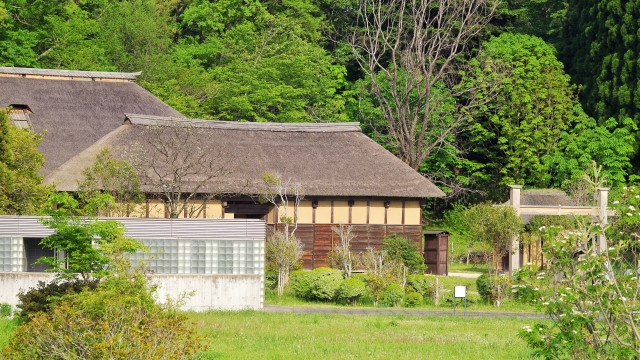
(406, 48)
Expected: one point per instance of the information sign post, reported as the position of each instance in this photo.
(460, 292)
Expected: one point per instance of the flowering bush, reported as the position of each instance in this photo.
(592, 292)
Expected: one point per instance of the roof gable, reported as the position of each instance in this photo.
(76, 114)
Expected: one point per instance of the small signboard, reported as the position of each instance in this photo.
(460, 292)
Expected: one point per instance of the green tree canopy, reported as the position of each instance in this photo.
(21, 188)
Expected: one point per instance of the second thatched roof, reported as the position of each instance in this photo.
(326, 159)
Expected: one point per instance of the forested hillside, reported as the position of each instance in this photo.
(474, 94)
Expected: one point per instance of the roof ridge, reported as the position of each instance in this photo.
(137, 119)
(70, 73)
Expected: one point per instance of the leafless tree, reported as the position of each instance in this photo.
(283, 248)
(180, 163)
(341, 257)
(408, 50)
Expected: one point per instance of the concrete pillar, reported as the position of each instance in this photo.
(514, 254)
(603, 201)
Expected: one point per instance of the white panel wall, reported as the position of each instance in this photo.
(211, 292)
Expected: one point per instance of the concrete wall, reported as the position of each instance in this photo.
(12, 282)
(220, 292)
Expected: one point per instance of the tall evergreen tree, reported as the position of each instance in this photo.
(600, 46)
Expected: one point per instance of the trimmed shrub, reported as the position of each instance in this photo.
(299, 283)
(393, 294)
(413, 299)
(376, 285)
(45, 295)
(422, 284)
(484, 287)
(405, 250)
(324, 283)
(351, 290)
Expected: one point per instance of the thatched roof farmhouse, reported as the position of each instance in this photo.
(346, 177)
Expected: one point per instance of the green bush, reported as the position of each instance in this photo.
(376, 285)
(351, 290)
(118, 320)
(499, 289)
(526, 284)
(299, 283)
(423, 285)
(270, 279)
(6, 310)
(484, 287)
(413, 299)
(45, 295)
(324, 283)
(393, 294)
(405, 250)
(472, 299)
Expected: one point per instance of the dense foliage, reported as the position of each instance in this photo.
(120, 319)
(495, 104)
(593, 305)
(21, 188)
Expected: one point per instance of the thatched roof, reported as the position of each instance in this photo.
(76, 113)
(326, 159)
(546, 197)
(95, 75)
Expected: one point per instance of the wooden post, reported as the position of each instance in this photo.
(514, 253)
(603, 199)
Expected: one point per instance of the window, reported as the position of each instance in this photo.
(20, 115)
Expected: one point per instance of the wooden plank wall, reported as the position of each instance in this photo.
(319, 239)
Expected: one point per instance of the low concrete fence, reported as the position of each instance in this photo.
(210, 292)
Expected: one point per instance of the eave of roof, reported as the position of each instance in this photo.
(136, 119)
(69, 73)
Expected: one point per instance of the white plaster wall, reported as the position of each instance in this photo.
(12, 282)
(219, 292)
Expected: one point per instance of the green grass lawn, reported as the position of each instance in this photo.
(6, 328)
(464, 268)
(258, 335)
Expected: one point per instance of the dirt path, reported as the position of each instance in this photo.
(465, 275)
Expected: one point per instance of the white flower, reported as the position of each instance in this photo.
(631, 207)
(535, 289)
(637, 196)
(514, 291)
(611, 248)
(616, 202)
(529, 330)
(545, 303)
(629, 214)
(575, 332)
(563, 315)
